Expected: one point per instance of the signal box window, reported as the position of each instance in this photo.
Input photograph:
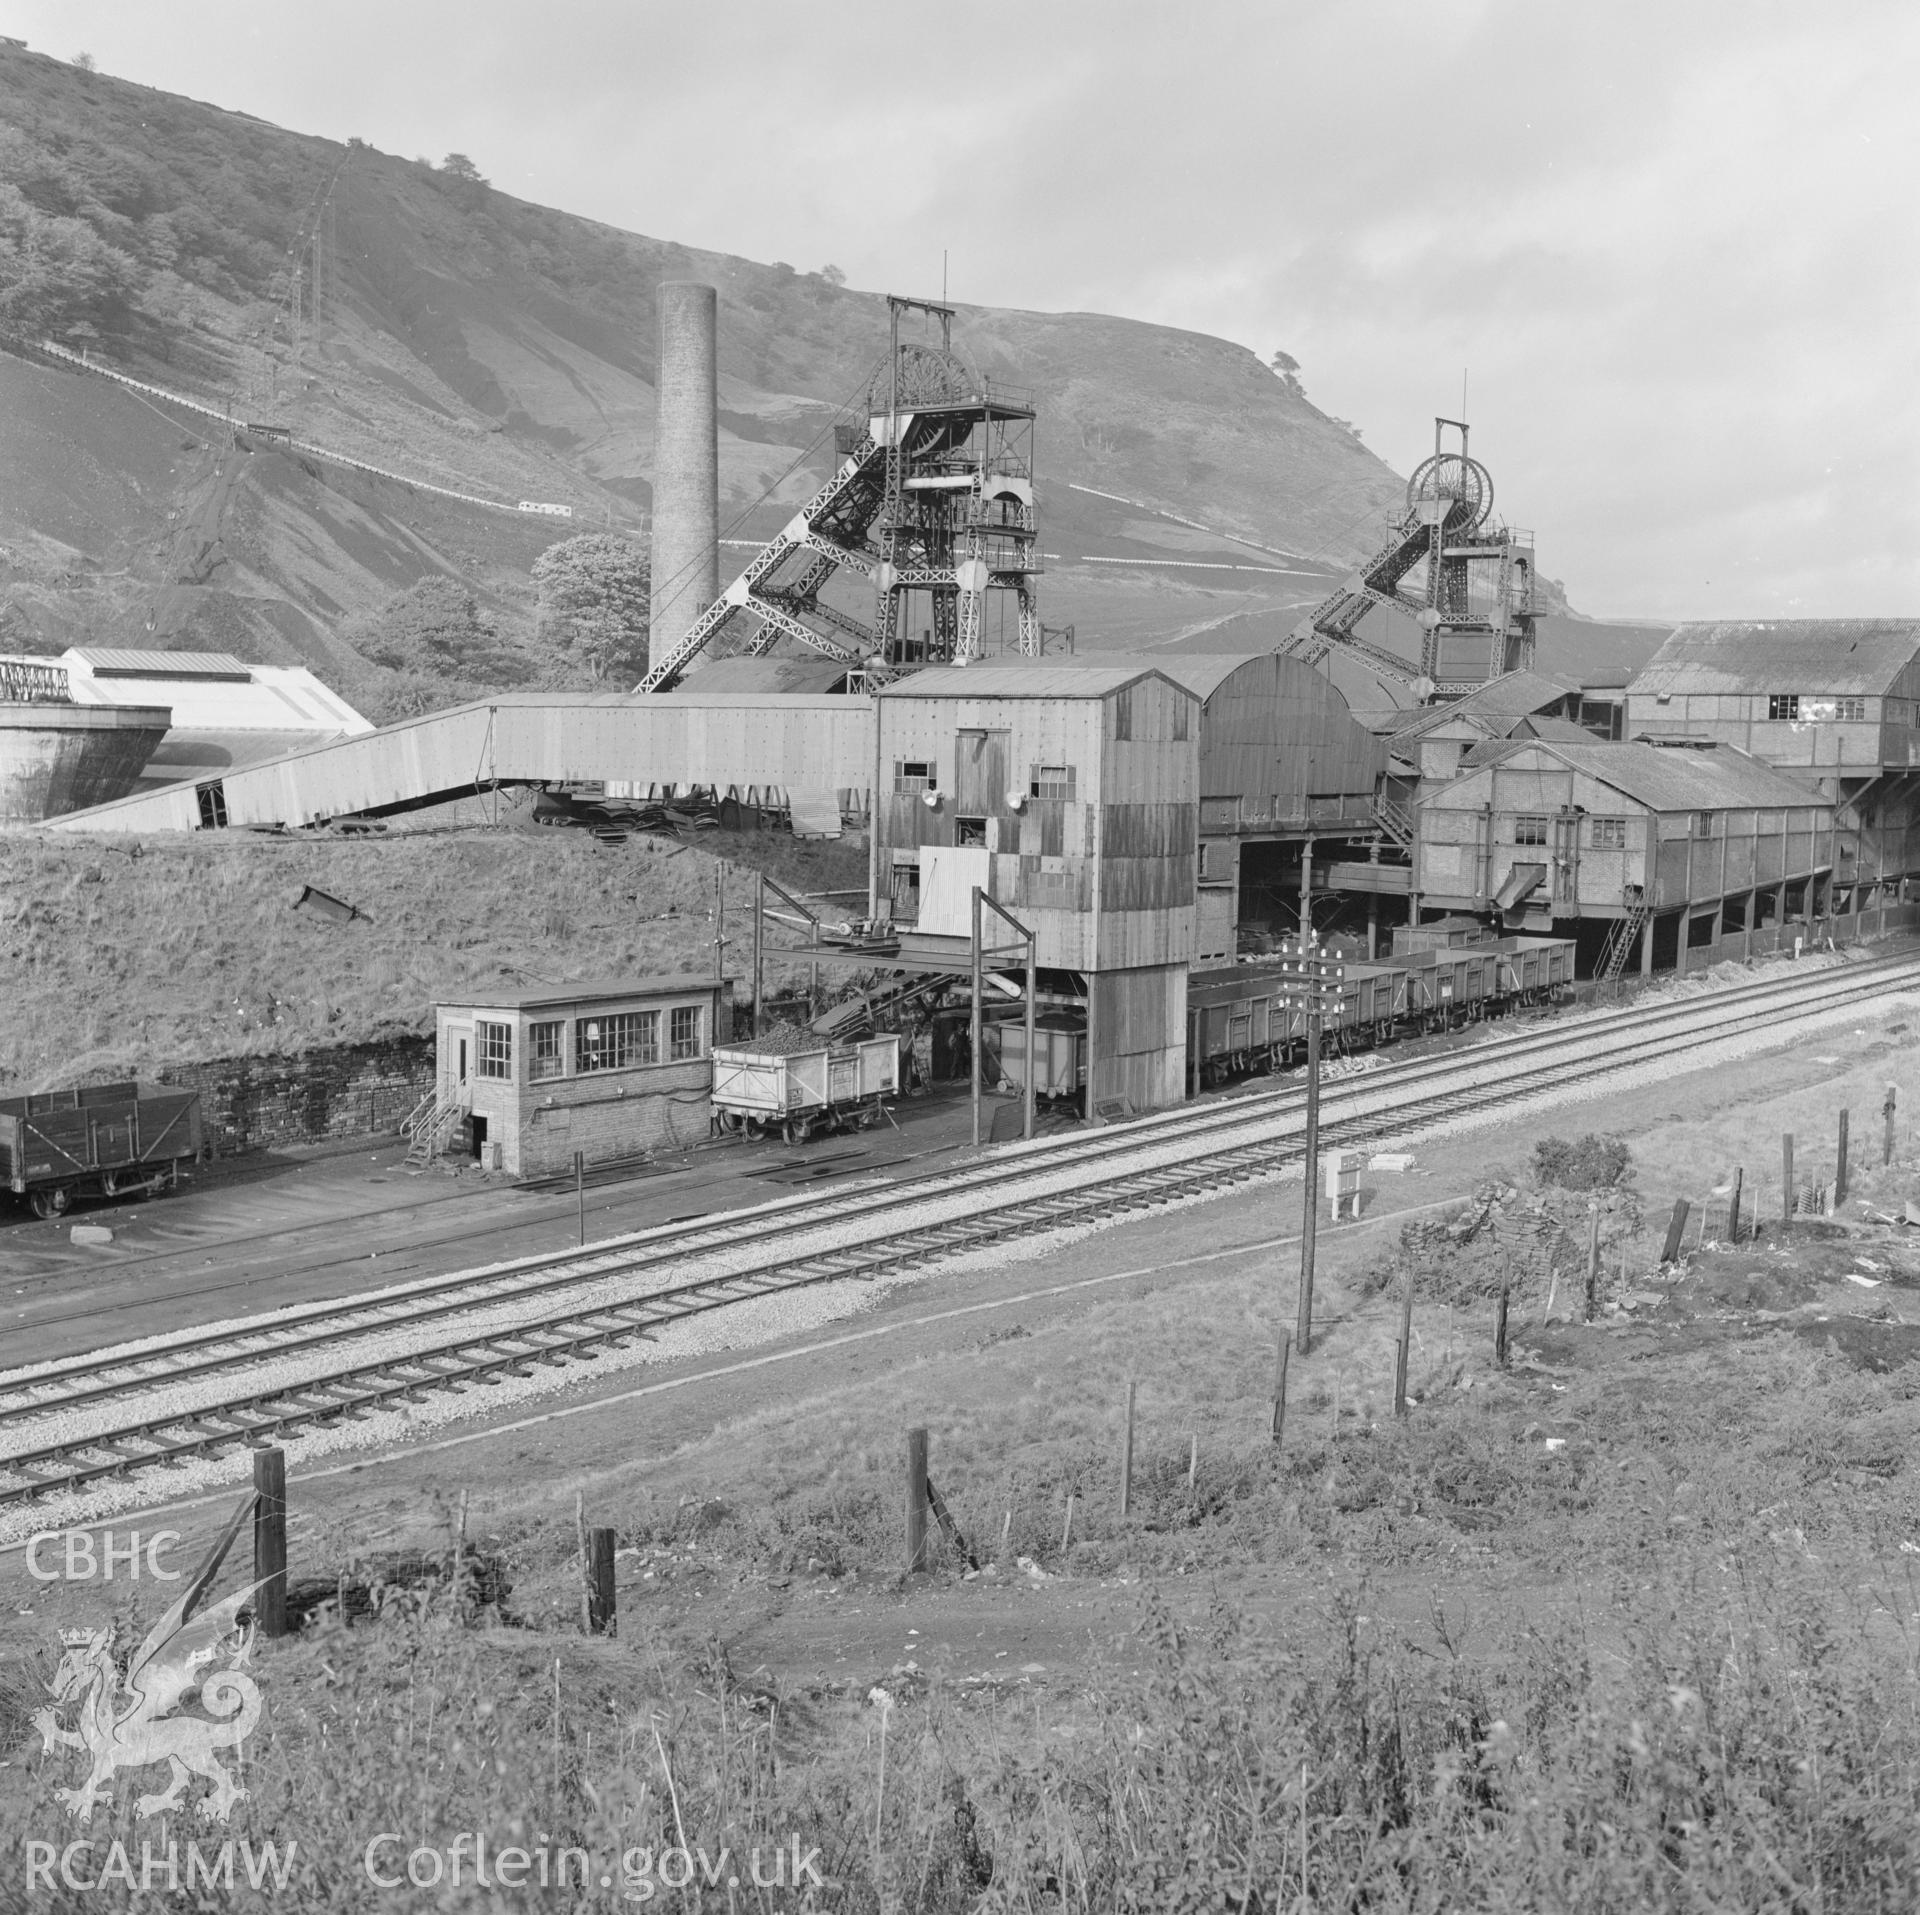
(1783, 705)
(970, 831)
(684, 1034)
(1530, 829)
(1850, 711)
(911, 776)
(1609, 834)
(546, 1056)
(1703, 824)
(1051, 781)
(619, 1043)
(496, 1050)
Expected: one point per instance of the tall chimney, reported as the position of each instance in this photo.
(686, 465)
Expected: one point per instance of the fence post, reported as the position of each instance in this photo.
(916, 1501)
(1281, 1355)
(1733, 1203)
(1786, 1177)
(1886, 1112)
(270, 1540)
(1500, 1325)
(580, 1189)
(1840, 1174)
(600, 1614)
(1676, 1229)
(1593, 1253)
(1126, 1457)
(1405, 1357)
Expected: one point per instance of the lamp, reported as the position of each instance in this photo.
(931, 799)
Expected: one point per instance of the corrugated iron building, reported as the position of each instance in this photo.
(1834, 701)
(1283, 764)
(1681, 848)
(1070, 795)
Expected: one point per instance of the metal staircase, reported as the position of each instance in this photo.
(428, 1129)
(1621, 940)
(1395, 819)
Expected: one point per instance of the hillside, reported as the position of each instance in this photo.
(121, 956)
(506, 349)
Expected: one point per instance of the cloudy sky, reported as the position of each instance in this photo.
(1672, 247)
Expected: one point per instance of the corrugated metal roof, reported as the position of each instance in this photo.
(766, 675)
(1202, 672)
(1782, 655)
(536, 997)
(1041, 679)
(1663, 779)
(112, 661)
(1562, 728)
(1497, 703)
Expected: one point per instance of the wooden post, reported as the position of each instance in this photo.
(1593, 1254)
(1786, 1177)
(916, 1501)
(1500, 1325)
(1126, 1457)
(974, 1022)
(580, 1189)
(580, 1544)
(1066, 1533)
(1193, 1461)
(270, 1540)
(1310, 1216)
(1733, 1203)
(1405, 1359)
(459, 1567)
(1840, 1173)
(1280, 1386)
(1028, 1103)
(759, 946)
(1886, 1112)
(600, 1612)
(1676, 1229)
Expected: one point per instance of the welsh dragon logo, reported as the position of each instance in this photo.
(129, 1711)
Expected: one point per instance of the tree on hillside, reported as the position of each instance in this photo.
(85, 62)
(833, 275)
(1287, 368)
(435, 628)
(458, 166)
(594, 594)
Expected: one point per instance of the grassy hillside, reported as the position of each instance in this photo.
(507, 349)
(117, 955)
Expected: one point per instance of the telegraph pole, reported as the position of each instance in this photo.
(1309, 981)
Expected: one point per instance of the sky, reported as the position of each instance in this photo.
(1670, 249)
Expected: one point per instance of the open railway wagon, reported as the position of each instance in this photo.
(1236, 1024)
(803, 1094)
(1060, 1057)
(107, 1140)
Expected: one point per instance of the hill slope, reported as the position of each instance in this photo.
(507, 349)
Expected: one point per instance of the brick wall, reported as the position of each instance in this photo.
(344, 1090)
(665, 1107)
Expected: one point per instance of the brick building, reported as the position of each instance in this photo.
(608, 1070)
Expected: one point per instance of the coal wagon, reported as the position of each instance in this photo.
(802, 1093)
(106, 1140)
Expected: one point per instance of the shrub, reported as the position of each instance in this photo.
(1592, 1163)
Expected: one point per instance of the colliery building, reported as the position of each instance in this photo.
(1651, 856)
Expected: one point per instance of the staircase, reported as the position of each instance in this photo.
(428, 1129)
(1395, 820)
(1620, 944)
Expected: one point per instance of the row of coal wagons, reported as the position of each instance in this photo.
(108, 1140)
(1238, 1019)
(804, 1093)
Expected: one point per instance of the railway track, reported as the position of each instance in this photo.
(67, 1424)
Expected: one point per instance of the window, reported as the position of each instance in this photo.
(684, 1032)
(1530, 829)
(495, 1046)
(1608, 834)
(911, 776)
(970, 831)
(1051, 781)
(1850, 711)
(1783, 705)
(622, 1042)
(1703, 824)
(545, 1057)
